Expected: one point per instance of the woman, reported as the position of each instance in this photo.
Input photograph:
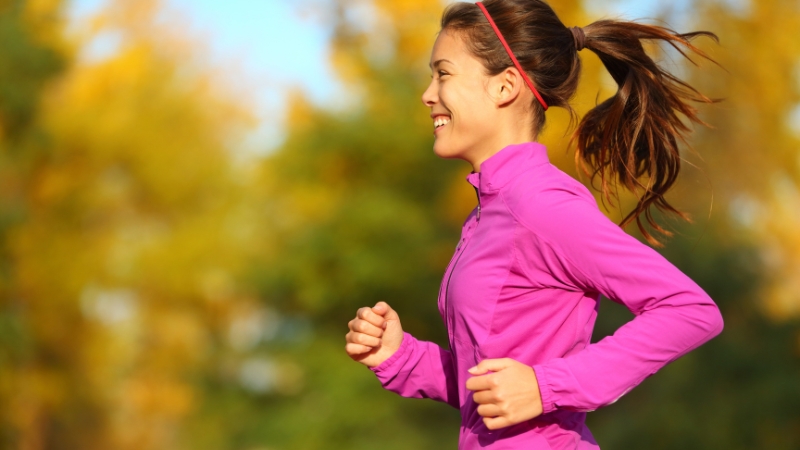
(520, 296)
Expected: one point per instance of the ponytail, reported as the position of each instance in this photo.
(634, 134)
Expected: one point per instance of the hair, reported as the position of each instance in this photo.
(632, 137)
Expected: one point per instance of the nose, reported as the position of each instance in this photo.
(430, 96)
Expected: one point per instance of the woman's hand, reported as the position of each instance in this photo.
(375, 334)
(507, 396)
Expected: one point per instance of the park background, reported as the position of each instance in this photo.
(188, 221)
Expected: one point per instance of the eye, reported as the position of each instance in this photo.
(440, 74)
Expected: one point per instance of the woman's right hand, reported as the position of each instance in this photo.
(375, 334)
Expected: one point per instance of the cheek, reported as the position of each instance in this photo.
(474, 99)
(472, 114)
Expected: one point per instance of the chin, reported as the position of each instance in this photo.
(443, 151)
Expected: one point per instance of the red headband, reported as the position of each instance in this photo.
(511, 54)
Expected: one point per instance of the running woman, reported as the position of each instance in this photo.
(520, 296)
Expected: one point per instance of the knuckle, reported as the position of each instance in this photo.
(364, 327)
(364, 339)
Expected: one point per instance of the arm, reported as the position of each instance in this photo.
(674, 315)
(403, 364)
(420, 369)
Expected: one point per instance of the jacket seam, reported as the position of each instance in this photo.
(505, 280)
(555, 248)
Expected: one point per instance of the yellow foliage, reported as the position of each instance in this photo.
(415, 23)
(752, 153)
(45, 17)
(135, 206)
(777, 228)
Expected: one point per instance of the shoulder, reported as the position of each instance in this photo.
(551, 203)
(563, 232)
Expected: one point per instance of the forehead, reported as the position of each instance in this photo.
(450, 48)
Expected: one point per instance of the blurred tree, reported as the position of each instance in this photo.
(125, 236)
(754, 150)
(28, 61)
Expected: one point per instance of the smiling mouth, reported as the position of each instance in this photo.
(440, 122)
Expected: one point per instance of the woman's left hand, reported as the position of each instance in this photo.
(507, 396)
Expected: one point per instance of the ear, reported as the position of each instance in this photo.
(507, 86)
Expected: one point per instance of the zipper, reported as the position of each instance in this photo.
(478, 195)
(453, 268)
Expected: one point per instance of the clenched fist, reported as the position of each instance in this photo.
(506, 391)
(375, 334)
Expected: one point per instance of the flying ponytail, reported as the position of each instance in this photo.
(632, 137)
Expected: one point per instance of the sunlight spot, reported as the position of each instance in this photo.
(259, 375)
(109, 306)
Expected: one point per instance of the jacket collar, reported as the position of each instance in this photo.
(506, 164)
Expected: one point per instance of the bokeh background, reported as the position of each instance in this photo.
(195, 197)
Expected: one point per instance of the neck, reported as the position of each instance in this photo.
(513, 133)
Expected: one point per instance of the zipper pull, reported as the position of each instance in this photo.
(478, 195)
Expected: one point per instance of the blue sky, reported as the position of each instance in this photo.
(268, 43)
(279, 43)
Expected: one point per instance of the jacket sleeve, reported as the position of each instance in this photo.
(420, 369)
(673, 315)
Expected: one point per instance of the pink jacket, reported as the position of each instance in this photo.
(525, 283)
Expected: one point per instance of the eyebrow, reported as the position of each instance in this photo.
(439, 61)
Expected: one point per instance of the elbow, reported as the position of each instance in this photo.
(712, 321)
(718, 324)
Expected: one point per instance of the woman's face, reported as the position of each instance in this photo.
(458, 99)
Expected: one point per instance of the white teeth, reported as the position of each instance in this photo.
(440, 121)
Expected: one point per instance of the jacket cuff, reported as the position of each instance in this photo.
(389, 363)
(545, 389)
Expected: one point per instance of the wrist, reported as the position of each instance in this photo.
(387, 363)
(545, 391)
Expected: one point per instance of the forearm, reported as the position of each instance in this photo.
(420, 369)
(603, 372)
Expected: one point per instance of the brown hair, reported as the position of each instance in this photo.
(630, 136)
